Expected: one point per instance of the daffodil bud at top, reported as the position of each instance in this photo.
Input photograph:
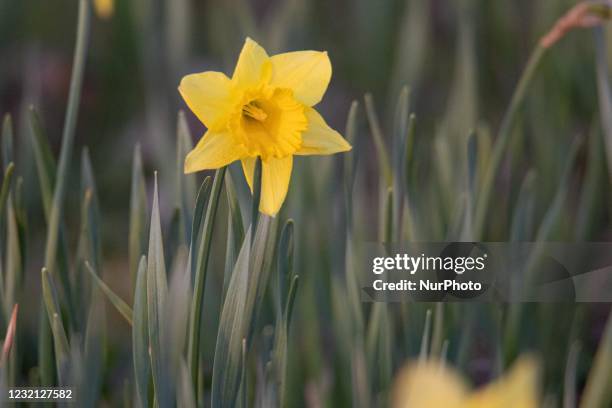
(264, 110)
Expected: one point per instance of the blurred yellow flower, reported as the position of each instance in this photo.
(104, 8)
(432, 385)
(264, 110)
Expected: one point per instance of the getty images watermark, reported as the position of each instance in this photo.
(487, 271)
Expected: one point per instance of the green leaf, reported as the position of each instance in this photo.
(138, 214)
(198, 215)
(235, 232)
(597, 392)
(522, 218)
(175, 320)
(140, 336)
(423, 354)
(7, 141)
(115, 300)
(88, 186)
(94, 353)
(603, 91)
(185, 396)
(201, 257)
(6, 186)
(45, 164)
(60, 340)
(238, 313)
(45, 167)
(46, 365)
(256, 193)
(384, 162)
(286, 290)
(157, 293)
(350, 158)
(72, 110)
(14, 263)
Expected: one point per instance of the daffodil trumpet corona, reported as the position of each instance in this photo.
(264, 110)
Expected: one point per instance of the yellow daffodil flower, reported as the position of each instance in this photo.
(104, 8)
(264, 110)
(432, 385)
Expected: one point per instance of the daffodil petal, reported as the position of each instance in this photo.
(214, 150)
(248, 167)
(253, 65)
(319, 138)
(518, 388)
(307, 73)
(208, 95)
(275, 176)
(428, 385)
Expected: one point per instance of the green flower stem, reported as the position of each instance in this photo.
(503, 139)
(203, 254)
(72, 111)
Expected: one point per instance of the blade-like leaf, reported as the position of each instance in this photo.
(235, 232)
(157, 292)
(7, 141)
(384, 162)
(140, 336)
(116, 301)
(201, 257)
(238, 313)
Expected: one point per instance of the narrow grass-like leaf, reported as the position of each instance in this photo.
(437, 335)
(88, 184)
(94, 352)
(175, 320)
(350, 158)
(46, 364)
(7, 141)
(522, 218)
(45, 164)
(256, 193)
(14, 262)
(45, 168)
(122, 307)
(201, 257)
(503, 140)
(185, 396)
(9, 337)
(425, 338)
(140, 336)
(604, 93)
(286, 288)
(60, 340)
(591, 195)
(569, 382)
(597, 392)
(72, 110)
(284, 266)
(379, 141)
(62, 350)
(198, 215)
(138, 214)
(6, 185)
(235, 232)
(157, 292)
(237, 315)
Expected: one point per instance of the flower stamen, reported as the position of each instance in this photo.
(254, 112)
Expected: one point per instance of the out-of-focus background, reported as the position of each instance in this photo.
(461, 60)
